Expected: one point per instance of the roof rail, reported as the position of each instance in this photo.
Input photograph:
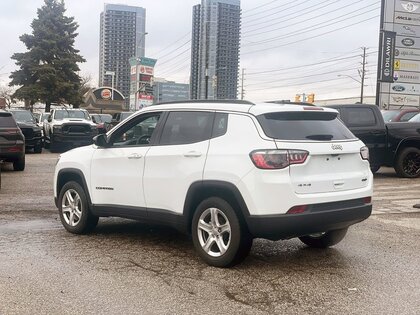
(208, 101)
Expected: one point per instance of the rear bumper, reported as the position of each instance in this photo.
(285, 226)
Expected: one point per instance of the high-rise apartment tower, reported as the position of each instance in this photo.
(122, 36)
(215, 49)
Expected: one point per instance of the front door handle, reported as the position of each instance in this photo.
(192, 154)
(134, 156)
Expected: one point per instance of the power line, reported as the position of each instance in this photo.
(170, 45)
(253, 32)
(313, 27)
(284, 7)
(174, 50)
(174, 58)
(312, 37)
(297, 84)
(302, 66)
(307, 76)
(260, 6)
(290, 16)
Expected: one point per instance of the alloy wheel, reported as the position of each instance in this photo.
(71, 207)
(411, 164)
(214, 232)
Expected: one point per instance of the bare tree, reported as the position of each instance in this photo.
(6, 92)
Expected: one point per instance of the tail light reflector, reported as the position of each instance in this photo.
(367, 200)
(297, 209)
(277, 159)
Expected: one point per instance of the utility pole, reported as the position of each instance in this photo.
(242, 84)
(362, 75)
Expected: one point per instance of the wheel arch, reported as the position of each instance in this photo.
(71, 174)
(199, 191)
(406, 143)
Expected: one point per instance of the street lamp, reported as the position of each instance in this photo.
(361, 82)
(112, 74)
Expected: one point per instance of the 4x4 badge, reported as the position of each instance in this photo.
(337, 147)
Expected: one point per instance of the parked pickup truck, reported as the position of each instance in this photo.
(390, 144)
(71, 127)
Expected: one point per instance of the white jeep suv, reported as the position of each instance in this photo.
(225, 172)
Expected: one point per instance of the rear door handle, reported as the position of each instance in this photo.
(134, 156)
(192, 154)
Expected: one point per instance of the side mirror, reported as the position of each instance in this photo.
(49, 118)
(37, 120)
(101, 141)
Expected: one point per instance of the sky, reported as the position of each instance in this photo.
(287, 47)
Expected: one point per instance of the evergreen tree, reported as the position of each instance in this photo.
(48, 70)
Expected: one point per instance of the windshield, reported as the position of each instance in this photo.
(389, 115)
(106, 118)
(44, 116)
(415, 118)
(316, 126)
(124, 115)
(65, 113)
(23, 116)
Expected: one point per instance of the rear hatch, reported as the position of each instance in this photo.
(9, 132)
(334, 161)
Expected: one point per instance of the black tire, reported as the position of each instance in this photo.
(46, 143)
(53, 146)
(19, 164)
(86, 222)
(240, 241)
(324, 240)
(407, 163)
(374, 168)
(38, 148)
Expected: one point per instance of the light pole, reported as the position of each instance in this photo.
(112, 74)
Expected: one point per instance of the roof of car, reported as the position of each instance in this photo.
(234, 106)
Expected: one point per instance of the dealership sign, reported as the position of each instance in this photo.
(399, 56)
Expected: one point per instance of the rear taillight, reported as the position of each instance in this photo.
(15, 149)
(277, 159)
(297, 209)
(12, 130)
(367, 200)
(364, 153)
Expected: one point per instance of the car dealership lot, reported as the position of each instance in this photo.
(128, 267)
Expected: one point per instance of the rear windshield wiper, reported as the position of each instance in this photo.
(320, 137)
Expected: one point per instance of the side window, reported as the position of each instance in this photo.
(136, 132)
(220, 124)
(187, 127)
(408, 116)
(360, 117)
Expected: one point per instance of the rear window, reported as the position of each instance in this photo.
(23, 116)
(6, 120)
(359, 117)
(389, 115)
(314, 126)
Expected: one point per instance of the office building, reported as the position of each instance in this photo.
(215, 49)
(122, 36)
(169, 91)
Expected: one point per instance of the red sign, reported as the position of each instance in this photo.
(145, 97)
(106, 94)
(145, 78)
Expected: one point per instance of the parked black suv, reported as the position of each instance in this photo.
(12, 142)
(32, 132)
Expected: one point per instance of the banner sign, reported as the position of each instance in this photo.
(387, 56)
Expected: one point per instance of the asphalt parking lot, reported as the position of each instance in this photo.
(127, 267)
